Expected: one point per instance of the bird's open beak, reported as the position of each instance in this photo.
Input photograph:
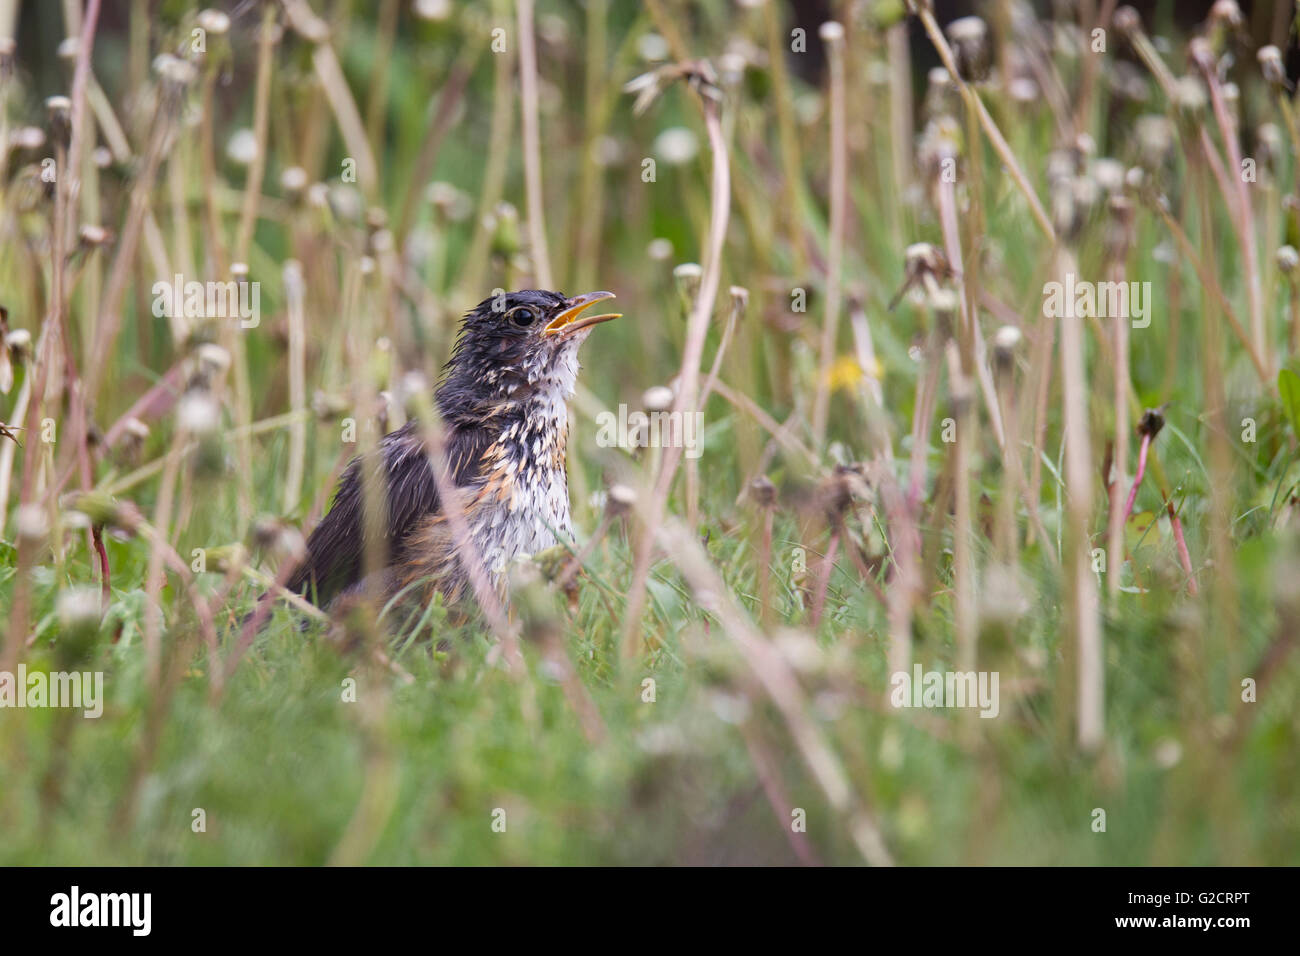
(567, 322)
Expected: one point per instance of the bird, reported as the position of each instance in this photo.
(502, 399)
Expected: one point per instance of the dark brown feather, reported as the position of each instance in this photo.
(497, 400)
(336, 548)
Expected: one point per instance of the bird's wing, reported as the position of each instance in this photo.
(336, 548)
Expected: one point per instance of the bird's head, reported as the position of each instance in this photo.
(518, 345)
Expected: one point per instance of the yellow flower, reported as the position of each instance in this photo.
(845, 373)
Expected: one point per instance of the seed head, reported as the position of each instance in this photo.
(31, 522)
(763, 491)
(1288, 262)
(77, 609)
(294, 181)
(59, 110)
(1006, 340)
(94, 236)
(1127, 22)
(1270, 64)
(969, 37)
(657, 398)
(1151, 422)
(214, 22)
(620, 500)
(1228, 14)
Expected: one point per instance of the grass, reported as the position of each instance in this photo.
(659, 711)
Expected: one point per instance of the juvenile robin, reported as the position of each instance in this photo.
(503, 403)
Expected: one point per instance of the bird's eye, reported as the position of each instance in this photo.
(523, 316)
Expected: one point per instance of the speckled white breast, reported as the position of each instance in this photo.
(527, 523)
(533, 513)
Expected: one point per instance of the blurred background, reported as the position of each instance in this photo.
(885, 477)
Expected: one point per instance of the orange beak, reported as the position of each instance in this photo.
(567, 322)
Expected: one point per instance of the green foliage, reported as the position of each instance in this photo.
(1288, 386)
(340, 742)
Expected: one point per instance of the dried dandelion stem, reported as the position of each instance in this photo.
(110, 310)
(824, 570)
(532, 145)
(973, 342)
(294, 295)
(687, 394)
(377, 96)
(494, 177)
(261, 120)
(326, 63)
(768, 772)
(1211, 285)
(961, 396)
(1242, 212)
(118, 485)
(450, 96)
(159, 547)
(833, 36)
(766, 494)
(781, 685)
(787, 133)
(900, 106)
(782, 434)
(1085, 625)
(976, 105)
(1143, 449)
